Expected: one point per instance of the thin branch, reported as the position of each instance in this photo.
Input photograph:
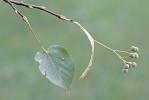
(37, 7)
(10, 2)
(14, 8)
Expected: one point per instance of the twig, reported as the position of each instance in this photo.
(14, 8)
(10, 2)
(34, 6)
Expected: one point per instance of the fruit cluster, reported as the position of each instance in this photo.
(133, 54)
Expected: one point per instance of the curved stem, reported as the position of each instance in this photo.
(91, 42)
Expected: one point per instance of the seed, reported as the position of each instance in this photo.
(125, 70)
(126, 66)
(134, 64)
(132, 55)
(136, 56)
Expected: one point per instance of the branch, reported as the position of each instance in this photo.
(25, 19)
(92, 41)
(11, 2)
(14, 8)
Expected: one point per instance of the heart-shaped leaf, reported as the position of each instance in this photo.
(57, 66)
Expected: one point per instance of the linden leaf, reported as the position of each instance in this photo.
(57, 66)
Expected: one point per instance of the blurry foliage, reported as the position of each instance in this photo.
(116, 23)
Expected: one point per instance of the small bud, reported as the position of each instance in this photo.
(134, 64)
(24, 18)
(136, 56)
(130, 64)
(134, 49)
(132, 55)
(62, 17)
(43, 7)
(30, 7)
(125, 70)
(126, 66)
(16, 11)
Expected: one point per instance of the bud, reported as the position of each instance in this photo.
(130, 64)
(16, 11)
(134, 64)
(125, 70)
(43, 7)
(126, 66)
(134, 49)
(132, 55)
(30, 7)
(136, 56)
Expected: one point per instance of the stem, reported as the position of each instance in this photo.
(25, 19)
(14, 8)
(122, 51)
(125, 57)
(91, 42)
(35, 6)
(10, 2)
(110, 49)
(104, 46)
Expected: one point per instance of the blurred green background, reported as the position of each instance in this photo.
(118, 24)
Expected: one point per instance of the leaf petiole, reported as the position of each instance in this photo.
(25, 19)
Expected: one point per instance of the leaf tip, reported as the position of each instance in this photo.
(68, 93)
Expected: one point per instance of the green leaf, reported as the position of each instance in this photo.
(57, 66)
